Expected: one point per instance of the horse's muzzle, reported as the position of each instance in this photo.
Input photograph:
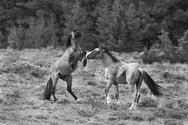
(84, 62)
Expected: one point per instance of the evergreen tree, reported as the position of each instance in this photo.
(104, 21)
(77, 19)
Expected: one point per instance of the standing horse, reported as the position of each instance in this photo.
(118, 72)
(63, 67)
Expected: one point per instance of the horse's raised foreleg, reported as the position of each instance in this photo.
(68, 80)
(108, 86)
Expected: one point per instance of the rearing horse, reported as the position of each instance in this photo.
(118, 72)
(63, 67)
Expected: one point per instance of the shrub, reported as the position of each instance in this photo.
(39, 34)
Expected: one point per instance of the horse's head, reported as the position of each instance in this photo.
(101, 53)
(97, 53)
(83, 58)
(72, 41)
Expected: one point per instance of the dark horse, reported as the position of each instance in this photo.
(118, 72)
(63, 67)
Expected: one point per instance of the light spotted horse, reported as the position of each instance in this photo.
(118, 72)
(63, 67)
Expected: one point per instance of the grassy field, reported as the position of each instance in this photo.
(23, 76)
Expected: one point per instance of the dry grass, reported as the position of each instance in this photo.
(148, 102)
(24, 75)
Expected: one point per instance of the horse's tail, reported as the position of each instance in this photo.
(157, 90)
(47, 92)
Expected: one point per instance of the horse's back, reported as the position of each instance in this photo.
(126, 71)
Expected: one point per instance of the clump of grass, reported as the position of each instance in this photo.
(64, 101)
(166, 75)
(129, 115)
(122, 124)
(172, 122)
(86, 112)
(175, 113)
(124, 117)
(112, 118)
(169, 105)
(25, 68)
(182, 104)
(148, 102)
(138, 118)
(150, 118)
(113, 106)
(92, 83)
(97, 104)
(1, 100)
(54, 123)
(14, 93)
(179, 77)
(40, 116)
(144, 91)
(128, 104)
(160, 112)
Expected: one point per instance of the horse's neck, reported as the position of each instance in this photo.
(69, 52)
(66, 53)
(106, 60)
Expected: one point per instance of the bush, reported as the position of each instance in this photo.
(171, 54)
(39, 34)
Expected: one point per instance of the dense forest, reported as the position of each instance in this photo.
(126, 25)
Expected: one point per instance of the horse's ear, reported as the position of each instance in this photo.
(72, 33)
(100, 48)
(69, 41)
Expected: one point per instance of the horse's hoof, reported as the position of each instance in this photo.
(118, 102)
(130, 108)
(55, 100)
(108, 102)
(78, 100)
(133, 108)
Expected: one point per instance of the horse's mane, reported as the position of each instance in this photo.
(110, 54)
(68, 43)
(77, 35)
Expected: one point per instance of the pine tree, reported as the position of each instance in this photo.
(104, 21)
(77, 19)
(134, 24)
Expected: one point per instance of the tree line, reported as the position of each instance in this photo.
(124, 25)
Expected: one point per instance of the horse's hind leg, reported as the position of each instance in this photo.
(138, 81)
(117, 93)
(55, 78)
(68, 80)
(47, 92)
(138, 89)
